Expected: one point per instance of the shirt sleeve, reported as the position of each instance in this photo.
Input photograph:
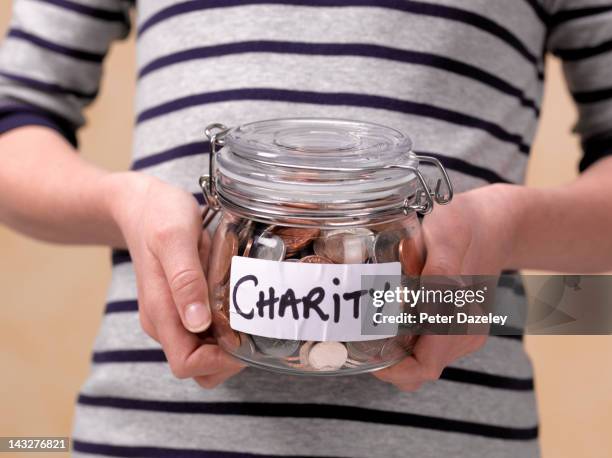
(51, 60)
(580, 34)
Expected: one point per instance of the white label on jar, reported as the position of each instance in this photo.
(301, 301)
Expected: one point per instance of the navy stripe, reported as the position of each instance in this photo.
(189, 149)
(570, 55)
(120, 257)
(151, 355)
(564, 16)
(451, 374)
(516, 336)
(596, 148)
(586, 97)
(467, 168)
(121, 306)
(47, 87)
(344, 49)
(132, 451)
(12, 117)
(539, 11)
(96, 13)
(420, 8)
(338, 98)
(322, 411)
(54, 47)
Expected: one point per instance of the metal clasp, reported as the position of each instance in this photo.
(215, 134)
(425, 197)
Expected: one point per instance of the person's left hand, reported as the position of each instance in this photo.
(471, 236)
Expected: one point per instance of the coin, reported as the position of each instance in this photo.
(397, 347)
(366, 350)
(386, 247)
(296, 238)
(247, 247)
(279, 348)
(345, 246)
(410, 257)
(327, 356)
(304, 352)
(268, 246)
(314, 259)
(225, 242)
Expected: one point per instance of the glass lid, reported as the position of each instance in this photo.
(320, 144)
(314, 169)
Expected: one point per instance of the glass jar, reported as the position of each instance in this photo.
(309, 208)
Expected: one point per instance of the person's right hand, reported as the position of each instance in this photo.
(161, 225)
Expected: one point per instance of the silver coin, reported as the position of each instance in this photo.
(304, 351)
(279, 348)
(392, 350)
(386, 247)
(268, 246)
(345, 246)
(327, 356)
(365, 350)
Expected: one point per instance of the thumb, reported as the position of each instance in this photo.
(180, 260)
(445, 247)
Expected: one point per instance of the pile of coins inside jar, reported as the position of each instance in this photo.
(235, 236)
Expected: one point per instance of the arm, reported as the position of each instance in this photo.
(566, 229)
(49, 192)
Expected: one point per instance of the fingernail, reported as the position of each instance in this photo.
(197, 317)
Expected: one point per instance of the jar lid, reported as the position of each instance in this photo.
(320, 144)
(319, 171)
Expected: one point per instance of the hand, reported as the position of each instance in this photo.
(161, 225)
(473, 235)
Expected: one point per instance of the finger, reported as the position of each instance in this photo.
(406, 372)
(213, 380)
(179, 256)
(146, 324)
(446, 248)
(186, 354)
(430, 357)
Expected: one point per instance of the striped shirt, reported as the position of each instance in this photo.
(463, 78)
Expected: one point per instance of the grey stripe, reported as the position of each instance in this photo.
(283, 436)
(330, 25)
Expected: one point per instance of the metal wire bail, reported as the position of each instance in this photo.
(215, 133)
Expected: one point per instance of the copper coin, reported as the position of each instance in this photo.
(410, 257)
(247, 247)
(225, 246)
(316, 259)
(296, 238)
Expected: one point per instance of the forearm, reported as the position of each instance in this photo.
(49, 192)
(568, 228)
